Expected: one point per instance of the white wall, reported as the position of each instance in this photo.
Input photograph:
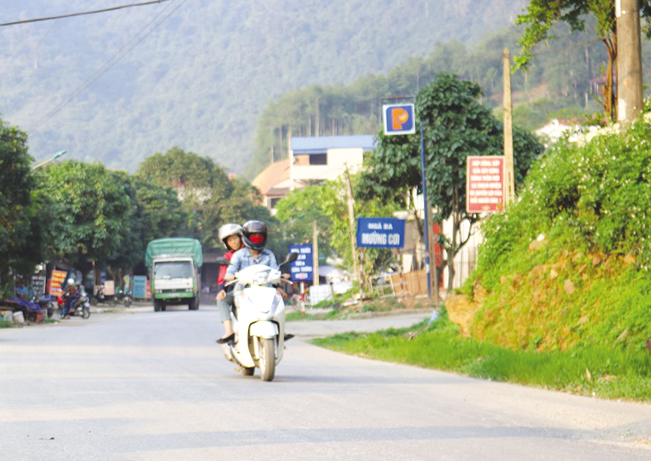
(337, 161)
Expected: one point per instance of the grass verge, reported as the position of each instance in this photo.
(593, 371)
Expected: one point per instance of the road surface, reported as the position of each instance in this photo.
(154, 386)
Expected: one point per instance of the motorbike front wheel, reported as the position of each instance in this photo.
(267, 359)
(127, 301)
(85, 312)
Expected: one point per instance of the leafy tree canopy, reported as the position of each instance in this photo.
(16, 205)
(455, 126)
(541, 15)
(93, 209)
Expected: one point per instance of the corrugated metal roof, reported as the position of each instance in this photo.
(320, 144)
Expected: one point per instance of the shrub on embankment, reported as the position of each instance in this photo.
(567, 265)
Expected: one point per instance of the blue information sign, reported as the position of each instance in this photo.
(139, 286)
(398, 119)
(380, 233)
(302, 269)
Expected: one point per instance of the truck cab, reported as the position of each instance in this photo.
(175, 272)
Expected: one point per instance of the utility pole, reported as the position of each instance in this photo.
(351, 221)
(315, 253)
(509, 193)
(630, 100)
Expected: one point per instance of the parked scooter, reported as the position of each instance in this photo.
(258, 321)
(47, 304)
(83, 306)
(124, 296)
(100, 298)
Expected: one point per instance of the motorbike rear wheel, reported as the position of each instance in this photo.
(60, 312)
(267, 360)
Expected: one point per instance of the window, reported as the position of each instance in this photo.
(173, 270)
(274, 202)
(318, 159)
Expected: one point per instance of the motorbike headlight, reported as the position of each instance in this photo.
(261, 277)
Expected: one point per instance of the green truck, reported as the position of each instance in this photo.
(174, 266)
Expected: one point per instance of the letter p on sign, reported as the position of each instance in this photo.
(398, 119)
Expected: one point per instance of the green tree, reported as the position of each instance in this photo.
(208, 196)
(94, 212)
(17, 233)
(163, 213)
(541, 15)
(455, 126)
(297, 213)
(326, 204)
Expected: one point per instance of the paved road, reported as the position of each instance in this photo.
(153, 386)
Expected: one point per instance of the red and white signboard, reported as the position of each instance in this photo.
(485, 184)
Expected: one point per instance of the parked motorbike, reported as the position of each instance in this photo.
(47, 304)
(100, 298)
(124, 296)
(83, 306)
(258, 320)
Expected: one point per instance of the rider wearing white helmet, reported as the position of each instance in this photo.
(231, 237)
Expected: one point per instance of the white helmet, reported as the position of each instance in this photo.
(227, 230)
(71, 282)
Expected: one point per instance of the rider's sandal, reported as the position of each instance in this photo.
(288, 337)
(227, 339)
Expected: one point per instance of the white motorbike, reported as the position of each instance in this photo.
(258, 320)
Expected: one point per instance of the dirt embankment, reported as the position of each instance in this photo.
(461, 310)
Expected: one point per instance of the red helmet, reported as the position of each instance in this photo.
(255, 242)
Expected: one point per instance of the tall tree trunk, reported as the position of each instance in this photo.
(452, 251)
(610, 89)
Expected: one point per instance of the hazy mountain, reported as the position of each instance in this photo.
(196, 73)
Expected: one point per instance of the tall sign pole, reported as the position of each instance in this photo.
(509, 192)
(351, 221)
(315, 253)
(428, 217)
(629, 61)
(401, 119)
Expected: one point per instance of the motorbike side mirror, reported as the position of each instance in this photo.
(221, 261)
(291, 257)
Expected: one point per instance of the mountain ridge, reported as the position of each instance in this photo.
(203, 76)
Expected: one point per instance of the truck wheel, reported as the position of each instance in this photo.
(194, 304)
(157, 306)
(267, 359)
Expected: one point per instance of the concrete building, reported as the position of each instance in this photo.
(312, 160)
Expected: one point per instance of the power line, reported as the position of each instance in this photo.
(135, 41)
(26, 21)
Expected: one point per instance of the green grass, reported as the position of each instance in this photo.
(594, 371)
(5, 323)
(330, 315)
